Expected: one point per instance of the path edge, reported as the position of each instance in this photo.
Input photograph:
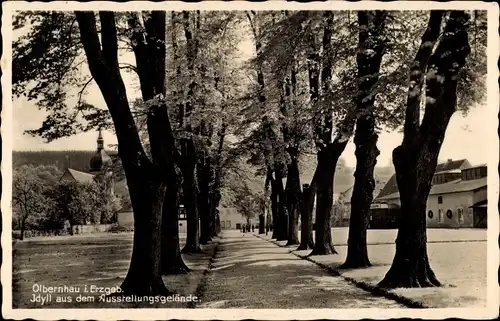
(374, 289)
(200, 289)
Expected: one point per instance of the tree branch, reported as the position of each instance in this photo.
(417, 76)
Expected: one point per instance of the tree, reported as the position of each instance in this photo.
(371, 49)
(28, 194)
(438, 63)
(59, 37)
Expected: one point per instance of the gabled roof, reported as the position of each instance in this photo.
(78, 176)
(391, 187)
(447, 188)
(459, 186)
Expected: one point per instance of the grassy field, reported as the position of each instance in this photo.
(457, 256)
(100, 260)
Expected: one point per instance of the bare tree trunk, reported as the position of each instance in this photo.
(23, 226)
(203, 200)
(171, 259)
(415, 160)
(369, 58)
(306, 235)
(282, 228)
(191, 200)
(293, 199)
(274, 208)
(324, 203)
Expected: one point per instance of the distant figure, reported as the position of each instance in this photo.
(253, 228)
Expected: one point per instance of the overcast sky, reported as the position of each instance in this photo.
(464, 136)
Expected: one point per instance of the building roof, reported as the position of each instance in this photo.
(78, 176)
(127, 207)
(391, 187)
(455, 186)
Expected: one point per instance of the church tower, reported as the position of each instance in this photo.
(101, 160)
(101, 165)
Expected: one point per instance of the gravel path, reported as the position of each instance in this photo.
(249, 272)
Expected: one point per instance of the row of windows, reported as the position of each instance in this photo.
(225, 224)
(449, 214)
(472, 173)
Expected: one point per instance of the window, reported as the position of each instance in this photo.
(228, 224)
(461, 215)
(430, 214)
(440, 216)
(222, 224)
(449, 214)
(238, 226)
(440, 200)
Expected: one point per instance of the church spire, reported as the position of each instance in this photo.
(100, 141)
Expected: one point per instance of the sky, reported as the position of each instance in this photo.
(464, 136)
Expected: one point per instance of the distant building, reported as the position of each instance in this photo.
(231, 219)
(100, 168)
(458, 198)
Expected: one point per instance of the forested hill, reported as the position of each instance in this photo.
(77, 159)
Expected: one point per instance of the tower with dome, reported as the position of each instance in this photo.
(101, 168)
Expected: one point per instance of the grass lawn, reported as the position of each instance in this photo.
(85, 260)
(457, 256)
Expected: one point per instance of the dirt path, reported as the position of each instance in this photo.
(249, 272)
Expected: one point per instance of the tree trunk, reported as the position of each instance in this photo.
(415, 160)
(369, 57)
(144, 274)
(282, 228)
(324, 203)
(203, 200)
(293, 199)
(146, 187)
(171, 259)
(23, 227)
(274, 208)
(362, 195)
(410, 267)
(262, 222)
(306, 235)
(191, 199)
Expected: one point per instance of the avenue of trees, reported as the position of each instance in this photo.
(197, 114)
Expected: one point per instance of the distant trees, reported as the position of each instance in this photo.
(28, 199)
(41, 202)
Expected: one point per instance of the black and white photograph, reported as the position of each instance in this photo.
(237, 160)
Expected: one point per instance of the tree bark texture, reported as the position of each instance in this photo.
(190, 189)
(415, 160)
(307, 205)
(324, 203)
(369, 57)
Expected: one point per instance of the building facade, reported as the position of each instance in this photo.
(231, 219)
(458, 198)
